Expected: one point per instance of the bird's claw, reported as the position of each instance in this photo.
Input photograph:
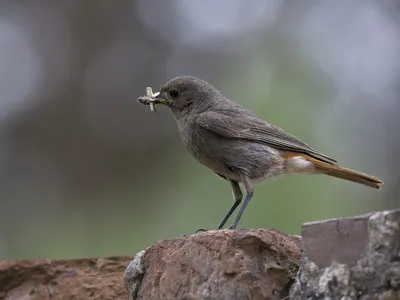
(197, 231)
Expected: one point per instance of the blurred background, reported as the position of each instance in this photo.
(87, 171)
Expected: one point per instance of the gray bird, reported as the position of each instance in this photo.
(237, 145)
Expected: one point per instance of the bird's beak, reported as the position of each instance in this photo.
(158, 100)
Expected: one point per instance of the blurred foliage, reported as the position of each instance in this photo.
(87, 171)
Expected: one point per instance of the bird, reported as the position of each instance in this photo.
(237, 145)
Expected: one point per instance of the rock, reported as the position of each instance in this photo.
(218, 265)
(91, 278)
(351, 258)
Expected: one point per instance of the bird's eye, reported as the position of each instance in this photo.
(173, 93)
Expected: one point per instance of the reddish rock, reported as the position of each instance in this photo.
(92, 278)
(226, 264)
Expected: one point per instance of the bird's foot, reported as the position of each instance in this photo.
(197, 231)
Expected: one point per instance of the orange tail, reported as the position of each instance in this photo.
(341, 172)
(348, 174)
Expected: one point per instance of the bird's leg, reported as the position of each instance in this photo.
(249, 190)
(237, 195)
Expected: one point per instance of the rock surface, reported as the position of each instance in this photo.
(92, 278)
(351, 258)
(218, 265)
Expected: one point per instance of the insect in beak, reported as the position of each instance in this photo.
(151, 99)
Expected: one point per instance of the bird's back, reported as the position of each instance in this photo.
(231, 157)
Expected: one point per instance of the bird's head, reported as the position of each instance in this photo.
(187, 93)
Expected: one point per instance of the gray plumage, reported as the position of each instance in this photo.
(225, 136)
(232, 141)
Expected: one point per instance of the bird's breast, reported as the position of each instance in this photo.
(233, 158)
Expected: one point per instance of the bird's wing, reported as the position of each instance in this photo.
(231, 124)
